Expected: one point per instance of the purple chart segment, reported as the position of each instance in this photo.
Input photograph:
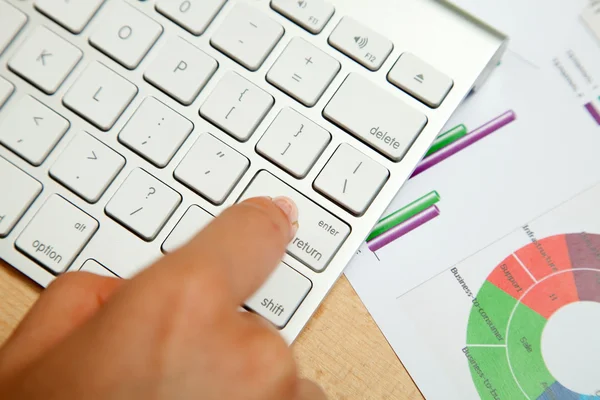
(593, 112)
(402, 229)
(588, 284)
(584, 250)
(466, 141)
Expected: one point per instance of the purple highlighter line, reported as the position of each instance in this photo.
(402, 229)
(593, 111)
(465, 141)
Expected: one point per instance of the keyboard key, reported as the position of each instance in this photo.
(87, 167)
(312, 15)
(192, 222)
(155, 132)
(11, 22)
(18, 190)
(45, 60)
(71, 15)
(303, 71)
(32, 130)
(192, 15)
(181, 70)
(125, 34)
(351, 179)
(6, 90)
(293, 142)
(420, 80)
(95, 267)
(100, 96)
(375, 116)
(247, 36)
(280, 296)
(361, 43)
(57, 234)
(237, 106)
(211, 168)
(143, 204)
(320, 234)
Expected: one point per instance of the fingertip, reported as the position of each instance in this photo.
(290, 210)
(276, 208)
(240, 248)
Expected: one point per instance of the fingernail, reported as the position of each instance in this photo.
(290, 210)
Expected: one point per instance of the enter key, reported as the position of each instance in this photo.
(320, 234)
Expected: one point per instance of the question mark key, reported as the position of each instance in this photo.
(151, 191)
(143, 204)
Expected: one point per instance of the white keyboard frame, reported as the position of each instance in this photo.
(459, 46)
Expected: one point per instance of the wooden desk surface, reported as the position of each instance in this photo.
(341, 348)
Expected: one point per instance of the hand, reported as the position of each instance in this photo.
(172, 332)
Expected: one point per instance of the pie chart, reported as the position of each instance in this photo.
(534, 325)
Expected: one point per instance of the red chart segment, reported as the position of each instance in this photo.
(511, 278)
(551, 294)
(584, 250)
(545, 256)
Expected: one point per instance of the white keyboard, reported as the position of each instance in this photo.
(126, 126)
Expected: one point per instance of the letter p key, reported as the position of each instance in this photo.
(182, 66)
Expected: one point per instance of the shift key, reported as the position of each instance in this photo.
(320, 234)
(280, 296)
(375, 116)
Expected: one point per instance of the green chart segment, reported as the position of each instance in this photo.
(404, 214)
(488, 321)
(447, 138)
(525, 351)
(512, 309)
(491, 373)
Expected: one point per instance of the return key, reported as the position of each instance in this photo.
(319, 235)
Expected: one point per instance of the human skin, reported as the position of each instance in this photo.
(175, 331)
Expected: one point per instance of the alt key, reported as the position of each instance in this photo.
(57, 234)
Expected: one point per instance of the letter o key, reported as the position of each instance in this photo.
(185, 6)
(125, 32)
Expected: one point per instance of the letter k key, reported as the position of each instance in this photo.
(42, 57)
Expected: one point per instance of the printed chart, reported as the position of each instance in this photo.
(535, 322)
(530, 172)
(517, 320)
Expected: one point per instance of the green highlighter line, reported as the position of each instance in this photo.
(404, 214)
(447, 138)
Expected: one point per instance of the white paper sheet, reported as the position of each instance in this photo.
(488, 190)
